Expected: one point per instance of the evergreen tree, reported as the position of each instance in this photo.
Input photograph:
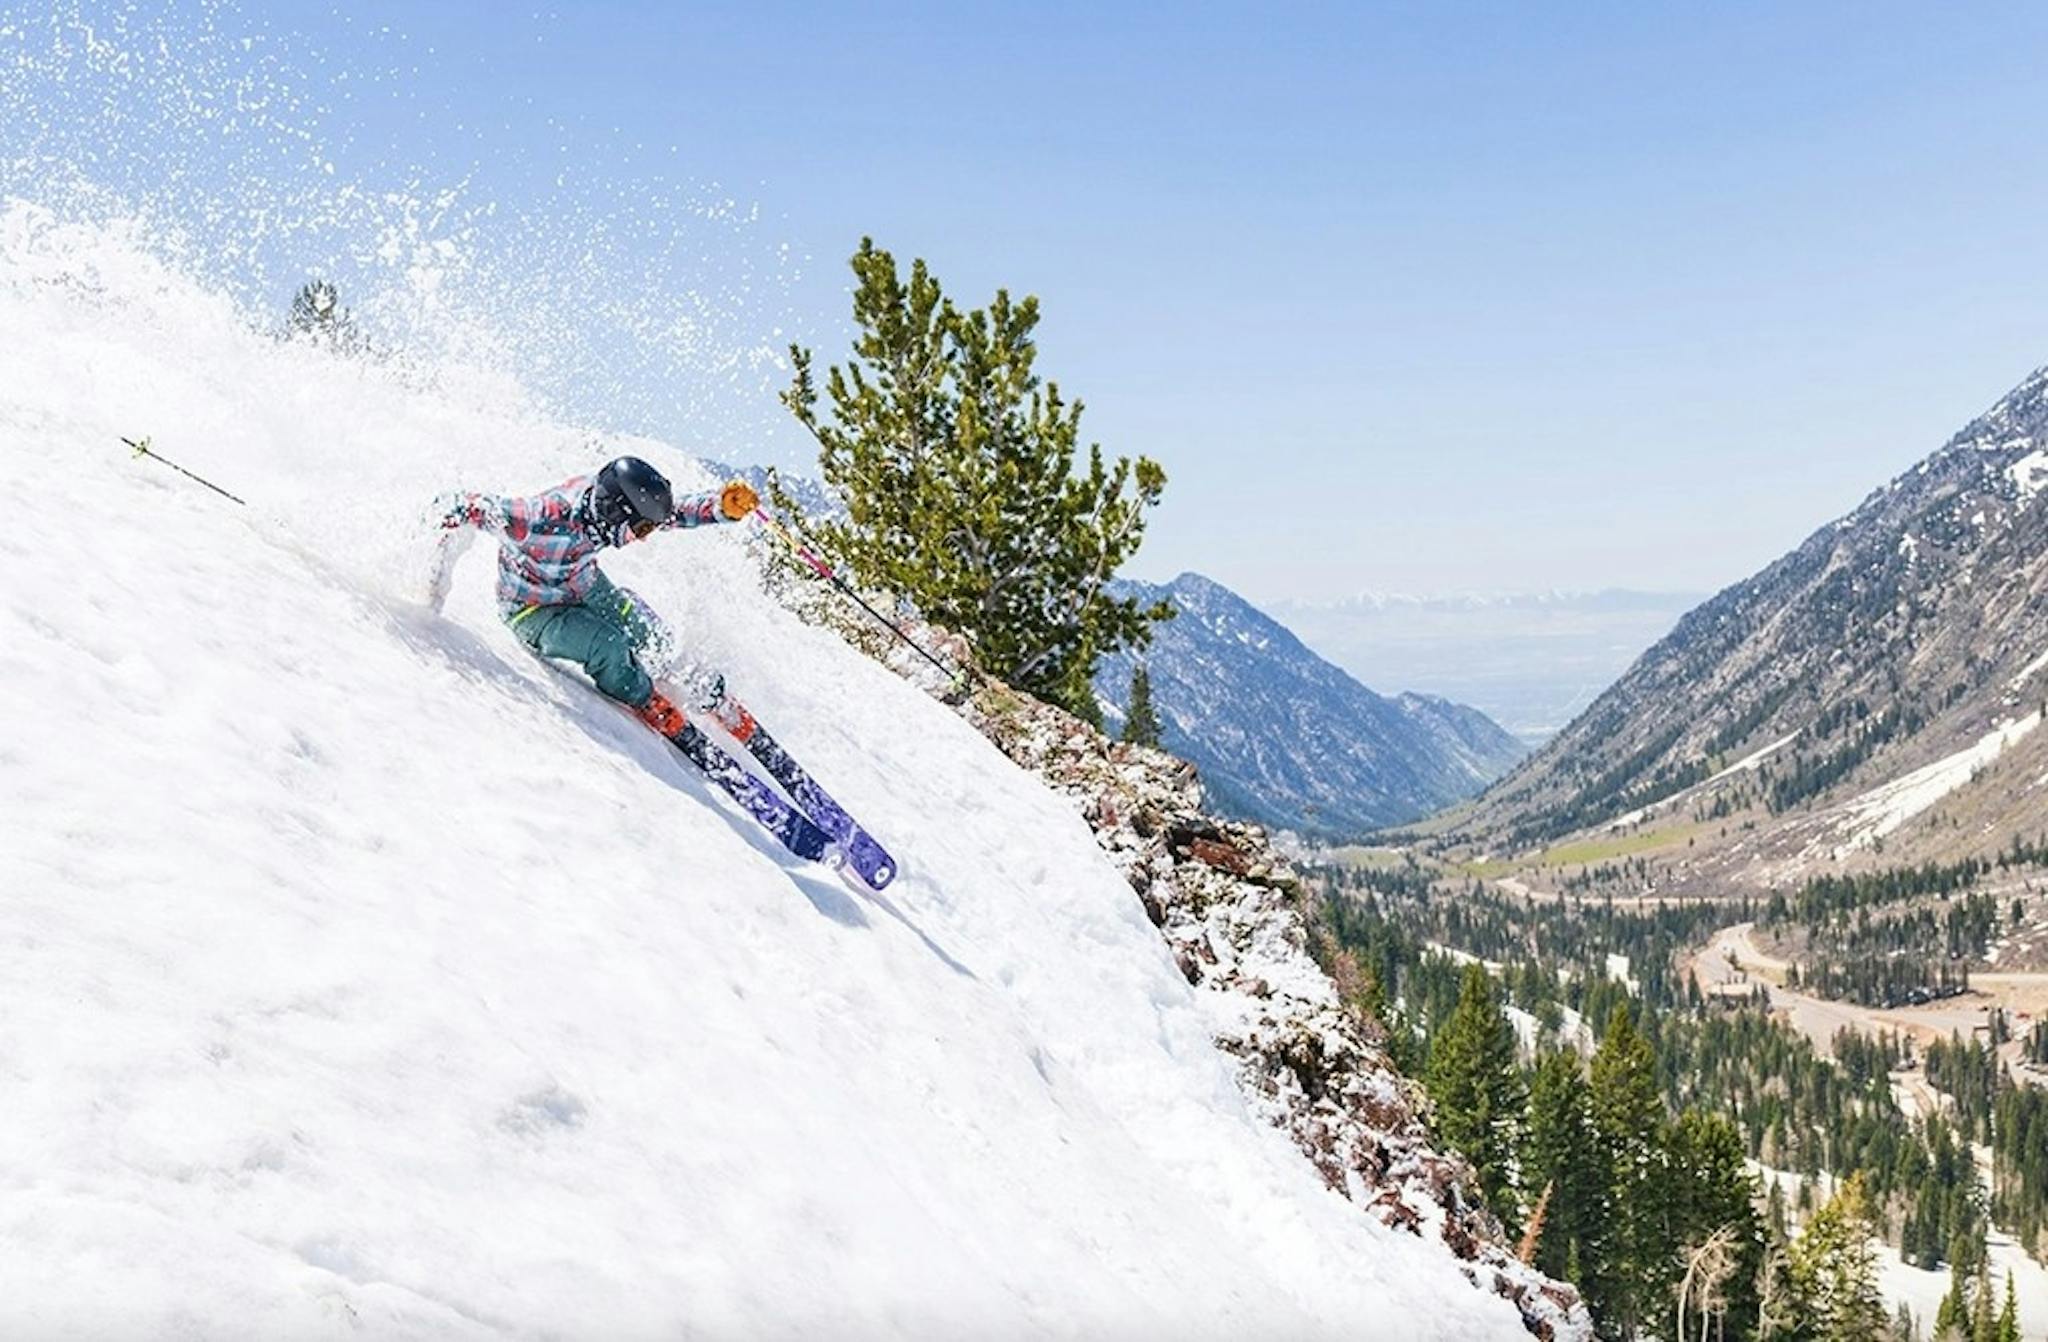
(2009, 1318)
(1141, 723)
(317, 314)
(958, 467)
(1404, 1050)
(1476, 1089)
(1628, 1114)
(1713, 1193)
(1834, 1270)
(1983, 1316)
(1774, 1209)
(1954, 1312)
(1563, 1154)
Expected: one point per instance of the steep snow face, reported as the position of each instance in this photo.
(363, 974)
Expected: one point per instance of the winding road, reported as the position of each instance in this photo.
(1731, 962)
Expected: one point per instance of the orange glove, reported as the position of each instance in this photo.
(738, 500)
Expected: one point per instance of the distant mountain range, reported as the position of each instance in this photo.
(1874, 691)
(1286, 738)
(1531, 662)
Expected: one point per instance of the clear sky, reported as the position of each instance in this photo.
(1420, 298)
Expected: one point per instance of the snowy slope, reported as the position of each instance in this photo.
(361, 975)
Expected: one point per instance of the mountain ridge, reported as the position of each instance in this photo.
(1889, 639)
(1286, 737)
(1530, 662)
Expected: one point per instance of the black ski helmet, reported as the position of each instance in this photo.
(628, 490)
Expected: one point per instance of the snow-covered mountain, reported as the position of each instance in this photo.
(365, 978)
(1284, 737)
(1876, 689)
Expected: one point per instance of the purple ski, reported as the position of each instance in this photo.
(868, 859)
(791, 827)
(798, 833)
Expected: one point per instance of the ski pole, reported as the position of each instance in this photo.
(824, 570)
(142, 450)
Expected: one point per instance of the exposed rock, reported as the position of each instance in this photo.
(1220, 855)
(1902, 635)
(1230, 910)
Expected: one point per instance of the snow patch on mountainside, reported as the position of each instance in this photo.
(1881, 810)
(1747, 764)
(2028, 672)
(1913, 609)
(2029, 474)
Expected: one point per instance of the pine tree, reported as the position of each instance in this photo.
(1714, 1194)
(1774, 1208)
(317, 314)
(1954, 1312)
(958, 467)
(1141, 723)
(1628, 1114)
(1563, 1153)
(1476, 1089)
(2009, 1318)
(1983, 1318)
(1404, 1050)
(1834, 1269)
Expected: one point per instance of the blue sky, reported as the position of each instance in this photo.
(1409, 297)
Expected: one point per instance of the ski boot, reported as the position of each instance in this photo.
(662, 715)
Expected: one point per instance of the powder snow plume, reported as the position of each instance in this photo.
(626, 293)
(361, 977)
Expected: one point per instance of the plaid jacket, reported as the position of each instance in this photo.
(548, 544)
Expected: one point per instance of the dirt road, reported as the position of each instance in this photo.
(1731, 962)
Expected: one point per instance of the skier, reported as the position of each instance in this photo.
(556, 598)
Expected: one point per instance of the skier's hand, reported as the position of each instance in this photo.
(448, 548)
(738, 500)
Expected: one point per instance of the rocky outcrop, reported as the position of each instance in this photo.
(1234, 917)
(1232, 912)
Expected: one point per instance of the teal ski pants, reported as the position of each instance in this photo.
(602, 634)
